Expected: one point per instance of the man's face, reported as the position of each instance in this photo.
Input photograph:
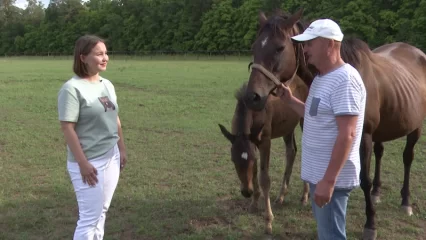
(316, 50)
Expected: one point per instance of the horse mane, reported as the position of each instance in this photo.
(239, 93)
(241, 109)
(353, 49)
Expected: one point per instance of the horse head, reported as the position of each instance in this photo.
(243, 155)
(276, 58)
(247, 126)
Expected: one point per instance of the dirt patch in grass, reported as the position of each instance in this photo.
(164, 132)
(234, 205)
(199, 224)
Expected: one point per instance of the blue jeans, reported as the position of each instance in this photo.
(331, 219)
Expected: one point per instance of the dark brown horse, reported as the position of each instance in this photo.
(252, 130)
(394, 76)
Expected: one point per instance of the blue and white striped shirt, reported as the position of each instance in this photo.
(340, 92)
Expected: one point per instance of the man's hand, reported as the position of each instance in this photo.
(323, 192)
(284, 93)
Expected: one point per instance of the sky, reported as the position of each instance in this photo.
(23, 3)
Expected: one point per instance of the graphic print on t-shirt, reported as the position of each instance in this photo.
(108, 105)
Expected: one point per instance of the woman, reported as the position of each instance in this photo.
(88, 113)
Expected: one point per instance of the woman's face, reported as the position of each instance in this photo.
(97, 59)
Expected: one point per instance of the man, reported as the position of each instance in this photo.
(333, 123)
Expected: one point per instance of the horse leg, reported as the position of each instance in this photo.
(265, 184)
(408, 157)
(291, 149)
(378, 153)
(305, 195)
(370, 232)
(256, 192)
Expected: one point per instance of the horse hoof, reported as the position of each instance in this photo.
(375, 199)
(279, 201)
(369, 234)
(407, 210)
(268, 229)
(268, 237)
(304, 201)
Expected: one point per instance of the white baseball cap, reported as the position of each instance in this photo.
(325, 28)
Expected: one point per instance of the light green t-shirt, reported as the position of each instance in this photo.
(93, 107)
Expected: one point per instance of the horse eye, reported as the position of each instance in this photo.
(280, 49)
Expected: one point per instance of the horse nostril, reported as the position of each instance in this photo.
(253, 97)
(254, 101)
(256, 97)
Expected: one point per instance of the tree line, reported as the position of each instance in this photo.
(194, 25)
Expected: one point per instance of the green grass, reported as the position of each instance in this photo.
(179, 182)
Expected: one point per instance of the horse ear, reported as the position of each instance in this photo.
(255, 135)
(296, 17)
(262, 18)
(227, 134)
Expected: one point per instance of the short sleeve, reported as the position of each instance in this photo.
(114, 93)
(68, 104)
(347, 98)
(111, 90)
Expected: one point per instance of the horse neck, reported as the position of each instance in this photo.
(299, 89)
(306, 74)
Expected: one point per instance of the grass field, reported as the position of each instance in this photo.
(179, 182)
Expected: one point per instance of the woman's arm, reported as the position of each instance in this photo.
(121, 145)
(73, 142)
(88, 172)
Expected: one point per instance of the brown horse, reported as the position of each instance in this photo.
(254, 130)
(394, 76)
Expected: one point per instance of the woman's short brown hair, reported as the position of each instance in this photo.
(83, 46)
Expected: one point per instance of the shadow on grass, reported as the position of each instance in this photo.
(53, 216)
(135, 213)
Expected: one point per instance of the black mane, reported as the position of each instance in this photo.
(239, 93)
(241, 113)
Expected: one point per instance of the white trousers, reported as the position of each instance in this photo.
(93, 202)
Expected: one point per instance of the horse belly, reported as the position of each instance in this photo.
(403, 102)
(283, 118)
(283, 128)
(398, 124)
